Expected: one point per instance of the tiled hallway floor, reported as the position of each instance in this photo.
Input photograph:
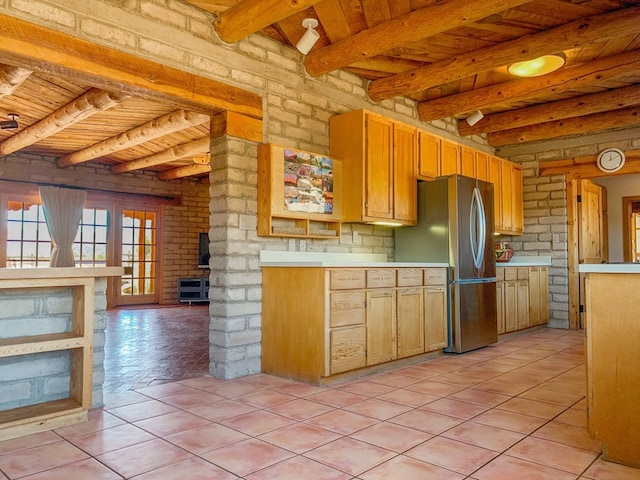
(150, 346)
(515, 410)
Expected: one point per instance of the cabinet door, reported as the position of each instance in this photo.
(522, 308)
(379, 168)
(405, 186)
(449, 157)
(467, 162)
(435, 317)
(410, 318)
(544, 295)
(482, 166)
(381, 326)
(506, 185)
(495, 178)
(500, 307)
(428, 155)
(517, 200)
(348, 349)
(510, 306)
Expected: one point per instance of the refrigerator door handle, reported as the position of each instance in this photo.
(477, 228)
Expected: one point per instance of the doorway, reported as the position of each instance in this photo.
(631, 228)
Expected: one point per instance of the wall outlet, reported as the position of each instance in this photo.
(355, 236)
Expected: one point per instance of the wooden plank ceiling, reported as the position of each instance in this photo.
(449, 56)
(452, 57)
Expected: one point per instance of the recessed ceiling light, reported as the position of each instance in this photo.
(538, 66)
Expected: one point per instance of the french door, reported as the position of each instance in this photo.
(138, 241)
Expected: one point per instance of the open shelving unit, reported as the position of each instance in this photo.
(275, 218)
(79, 341)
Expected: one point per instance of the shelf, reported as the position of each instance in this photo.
(40, 343)
(40, 417)
(299, 194)
(291, 226)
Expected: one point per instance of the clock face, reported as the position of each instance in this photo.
(610, 160)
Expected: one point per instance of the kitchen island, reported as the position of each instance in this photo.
(613, 356)
(326, 316)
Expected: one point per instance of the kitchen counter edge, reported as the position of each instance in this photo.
(330, 264)
(609, 268)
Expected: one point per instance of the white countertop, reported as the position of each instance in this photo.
(527, 261)
(269, 258)
(609, 268)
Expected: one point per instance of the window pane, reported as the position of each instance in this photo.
(101, 217)
(32, 213)
(101, 234)
(30, 231)
(43, 232)
(101, 254)
(14, 231)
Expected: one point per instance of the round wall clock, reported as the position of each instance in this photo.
(610, 160)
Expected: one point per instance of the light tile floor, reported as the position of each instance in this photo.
(515, 410)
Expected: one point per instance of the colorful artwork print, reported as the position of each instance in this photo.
(308, 182)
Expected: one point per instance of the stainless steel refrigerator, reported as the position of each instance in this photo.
(455, 226)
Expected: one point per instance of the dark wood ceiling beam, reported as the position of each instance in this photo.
(190, 149)
(92, 102)
(185, 171)
(586, 167)
(549, 112)
(11, 78)
(251, 16)
(526, 89)
(399, 31)
(158, 127)
(40, 49)
(595, 28)
(597, 122)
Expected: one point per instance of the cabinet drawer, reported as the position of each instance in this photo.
(410, 277)
(500, 274)
(381, 277)
(348, 349)
(523, 273)
(347, 279)
(510, 273)
(435, 276)
(347, 308)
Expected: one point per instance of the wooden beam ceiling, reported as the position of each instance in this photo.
(11, 78)
(184, 150)
(596, 122)
(562, 109)
(33, 47)
(186, 171)
(79, 109)
(565, 37)
(411, 27)
(159, 127)
(530, 88)
(249, 16)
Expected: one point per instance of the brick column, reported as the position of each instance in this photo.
(235, 280)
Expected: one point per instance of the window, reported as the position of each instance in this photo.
(28, 240)
(29, 244)
(90, 244)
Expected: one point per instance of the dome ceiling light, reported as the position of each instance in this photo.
(538, 66)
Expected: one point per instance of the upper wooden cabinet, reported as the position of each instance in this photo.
(428, 155)
(512, 222)
(379, 165)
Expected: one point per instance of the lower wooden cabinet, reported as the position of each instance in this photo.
(349, 318)
(410, 320)
(522, 298)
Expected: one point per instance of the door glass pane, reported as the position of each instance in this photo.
(138, 252)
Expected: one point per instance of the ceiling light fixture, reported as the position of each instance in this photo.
(474, 118)
(538, 66)
(310, 37)
(10, 124)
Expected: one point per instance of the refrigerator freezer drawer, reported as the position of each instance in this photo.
(473, 316)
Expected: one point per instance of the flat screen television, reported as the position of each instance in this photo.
(203, 250)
